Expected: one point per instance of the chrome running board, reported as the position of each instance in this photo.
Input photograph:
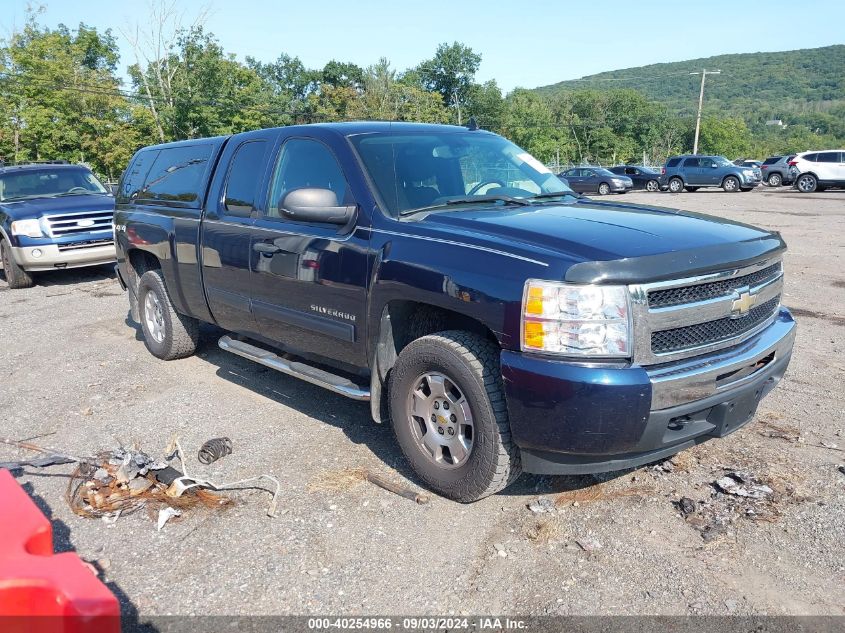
(314, 375)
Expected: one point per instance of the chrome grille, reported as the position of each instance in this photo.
(682, 318)
(702, 292)
(713, 331)
(78, 246)
(79, 222)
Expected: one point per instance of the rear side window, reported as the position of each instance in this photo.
(772, 160)
(177, 175)
(244, 178)
(673, 162)
(811, 157)
(691, 162)
(133, 178)
(828, 157)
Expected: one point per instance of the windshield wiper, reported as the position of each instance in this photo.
(468, 200)
(555, 194)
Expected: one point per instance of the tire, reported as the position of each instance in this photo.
(692, 189)
(730, 184)
(604, 189)
(469, 368)
(807, 183)
(676, 185)
(167, 334)
(652, 185)
(16, 276)
(775, 180)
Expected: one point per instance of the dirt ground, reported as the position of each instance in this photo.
(73, 365)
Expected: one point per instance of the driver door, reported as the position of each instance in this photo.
(309, 280)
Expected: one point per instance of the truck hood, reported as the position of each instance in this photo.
(36, 207)
(589, 231)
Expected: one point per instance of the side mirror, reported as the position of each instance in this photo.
(311, 204)
(713, 165)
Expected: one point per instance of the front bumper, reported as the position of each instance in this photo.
(52, 257)
(572, 419)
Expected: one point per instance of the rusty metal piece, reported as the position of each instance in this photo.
(397, 489)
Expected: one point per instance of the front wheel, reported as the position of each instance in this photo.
(807, 183)
(167, 334)
(16, 276)
(775, 180)
(676, 185)
(652, 185)
(604, 189)
(447, 407)
(730, 184)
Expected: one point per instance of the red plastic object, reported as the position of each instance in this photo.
(41, 591)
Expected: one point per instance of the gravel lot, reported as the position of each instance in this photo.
(72, 364)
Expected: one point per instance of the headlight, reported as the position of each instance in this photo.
(618, 182)
(30, 228)
(575, 320)
(748, 172)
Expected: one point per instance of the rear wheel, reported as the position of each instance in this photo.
(448, 411)
(16, 276)
(652, 185)
(691, 189)
(676, 185)
(731, 184)
(807, 183)
(775, 180)
(604, 189)
(167, 334)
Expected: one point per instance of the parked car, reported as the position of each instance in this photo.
(751, 164)
(52, 216)
(692, 172)
(776, 170)
(596, 180)
(641, 176)
(817, 171)
(499, 321)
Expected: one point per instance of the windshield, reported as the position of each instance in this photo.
(603, 172)
(48, 183)
(721, 160)
(428, 169)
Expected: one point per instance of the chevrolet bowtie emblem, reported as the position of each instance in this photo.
(743, 303)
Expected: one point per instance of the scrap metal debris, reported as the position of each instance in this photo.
(542, 505)
(214, 449)
(737, 494)
(742, 484)
(123, 480)
(165, 514)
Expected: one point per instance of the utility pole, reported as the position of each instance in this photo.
(704, 72)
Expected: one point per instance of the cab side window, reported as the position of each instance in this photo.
(305, 163)
(244, 178)
(691, 162)
(176, 176)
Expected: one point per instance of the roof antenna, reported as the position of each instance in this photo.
(473, 124)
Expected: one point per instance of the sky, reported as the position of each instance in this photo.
(523, 44)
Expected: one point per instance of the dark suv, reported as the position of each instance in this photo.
(691, 172)
(776, 170)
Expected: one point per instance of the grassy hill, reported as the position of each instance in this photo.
(786, 85)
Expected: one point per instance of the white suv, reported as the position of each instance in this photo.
(816, 171)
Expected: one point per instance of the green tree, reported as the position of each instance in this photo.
(451, 73)
(60, 98)
(727, 137)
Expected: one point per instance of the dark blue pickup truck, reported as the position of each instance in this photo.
(501, 322)
(52, 217)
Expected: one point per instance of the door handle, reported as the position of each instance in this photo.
(266, 248)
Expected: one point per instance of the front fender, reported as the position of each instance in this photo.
(483, 284)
